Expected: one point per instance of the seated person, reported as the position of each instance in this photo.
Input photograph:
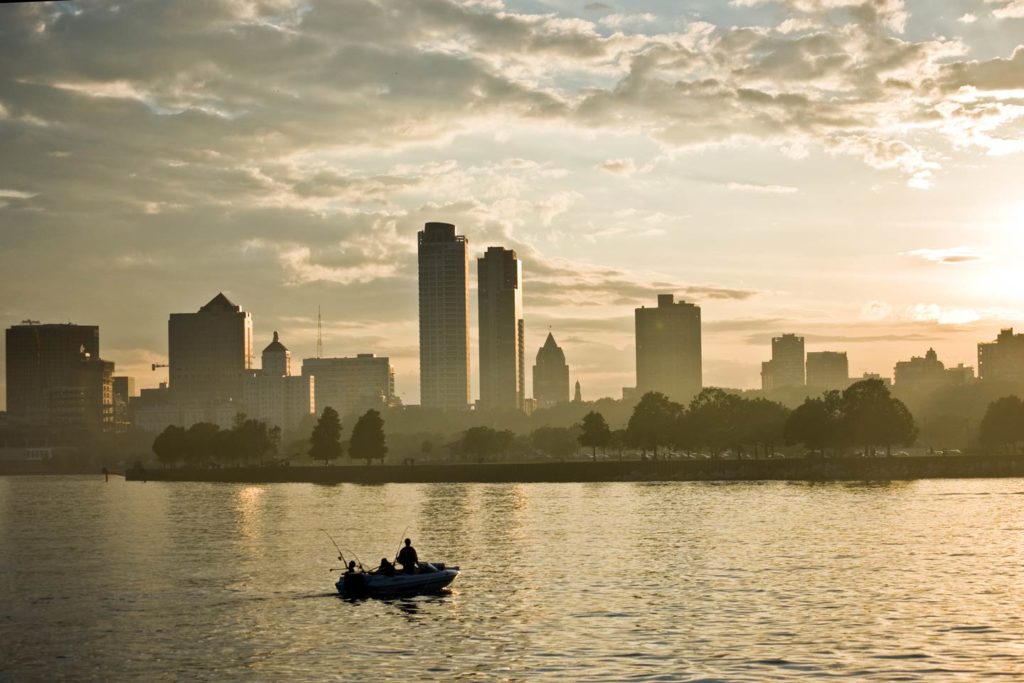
(386, 568)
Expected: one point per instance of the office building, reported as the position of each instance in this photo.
(786, 368)
(550, 375)
(828, 369)
(274, 396)
(209, 352)
(56, 378)
(1003, 359)
(668, 349)
(351, 385)
(500, 298)
(927, 373)
(123, 390)
(444, 317)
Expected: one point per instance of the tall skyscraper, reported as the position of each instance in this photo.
(786, 368)
(668, 349)
(502, 362)
(55, 376)
(209, 352)
(550, 374)
(350, 385)
(828, 369)
(1003, 359)
(444, 317)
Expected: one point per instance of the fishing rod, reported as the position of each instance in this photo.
(400, 542)
(341, 555)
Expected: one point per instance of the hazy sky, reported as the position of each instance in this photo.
(850, 171)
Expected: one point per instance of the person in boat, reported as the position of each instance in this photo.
(386, 568)
(351, 567)
(407, 557)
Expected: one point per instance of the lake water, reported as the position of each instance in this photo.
(674, 581)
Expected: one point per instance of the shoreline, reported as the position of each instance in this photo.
(828, 469)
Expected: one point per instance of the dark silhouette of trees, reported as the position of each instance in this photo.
(325, 441)
(713, 419)
(653, 421)
(596, 433)
(484, 442)
(556, 442)
(762, 422)
(204, 443)
(367, 442)
(872, 417)
(170, 445)
(812, 425)
(1003, 423)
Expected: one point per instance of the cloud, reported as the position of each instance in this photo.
(618, 166)
(765, 189)
(949, 255)
(1007, 9)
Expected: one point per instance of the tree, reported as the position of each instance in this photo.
(1002, 425)
(252, 439)
(325, 441)
(170, 445)
(596, 433)
(762, 422)
(652, 422)
(367, 442)
(714, 420)
(810, 424)
(203, 443)
(871, 417)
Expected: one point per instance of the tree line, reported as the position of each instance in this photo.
(250, 441)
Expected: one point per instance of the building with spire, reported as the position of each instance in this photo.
(501, 341)
(668, 349)
(550, 374)
(444, 316)
(274, 396)
(578, 394)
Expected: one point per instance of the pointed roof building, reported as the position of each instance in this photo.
(550, 374)
(277, 359)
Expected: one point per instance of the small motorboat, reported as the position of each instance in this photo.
(430, 577)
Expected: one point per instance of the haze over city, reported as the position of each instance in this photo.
(841, 170)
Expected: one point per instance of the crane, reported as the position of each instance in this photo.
(160, 365)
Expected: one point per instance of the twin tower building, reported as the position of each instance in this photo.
(444, 328)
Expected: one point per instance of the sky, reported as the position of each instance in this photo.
(844, 170)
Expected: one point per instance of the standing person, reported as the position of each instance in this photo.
(407, 557)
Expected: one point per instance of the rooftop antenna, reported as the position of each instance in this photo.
(319, 334)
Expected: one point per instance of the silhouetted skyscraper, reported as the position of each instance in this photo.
(55, 376)
(1003, 359)
(500, 298)
(550, 374)
(828, 369)
(577, 396)
(668, 349)
(786, 368)
(444, 317)
(209, 352)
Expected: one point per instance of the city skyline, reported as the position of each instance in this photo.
(799, 189)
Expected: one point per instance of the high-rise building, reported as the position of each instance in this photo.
(444, 317)
(550, 374)
(577, 394)
(123, 390)
(500, 298)
(352, 384)
(668, 349)
(1003, 359)
(209, 352)
(786, 368)
(828, 369)
(55, 376)
(928, 373)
